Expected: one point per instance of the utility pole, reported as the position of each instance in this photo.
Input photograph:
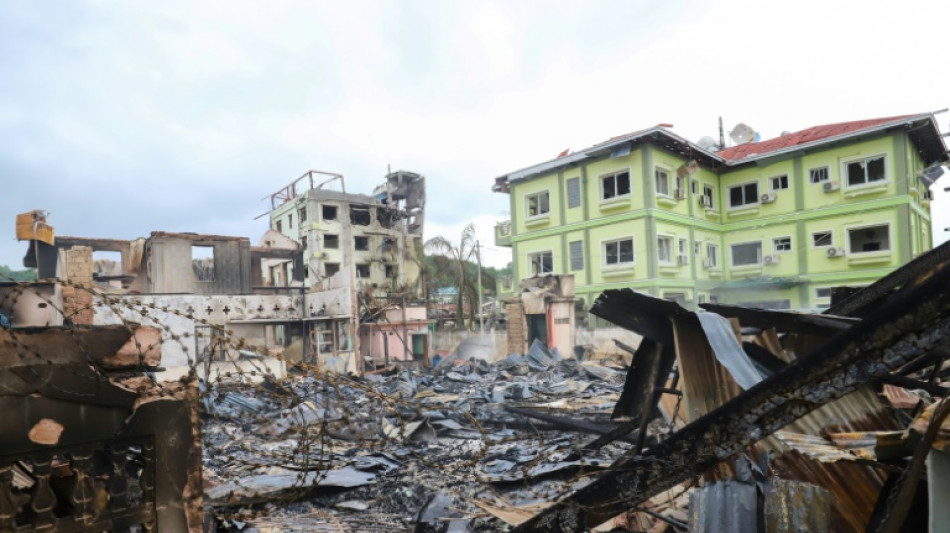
(481, 316)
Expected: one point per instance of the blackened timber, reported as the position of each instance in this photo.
(649, 369)
(570, 423)
(763, 357)
(911, 383)
(808, 324)
(916, 320)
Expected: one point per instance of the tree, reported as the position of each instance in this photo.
(459, 254)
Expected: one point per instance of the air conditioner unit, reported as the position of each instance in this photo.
(708, 263)
(679, 194)
(768, 198)
(830, 186)
(835, 252)
(705, 201)
(683, 259)
(770, 259)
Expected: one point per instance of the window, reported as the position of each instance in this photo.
(362, 270)
(541, 263)
(747, 253)
(202, 262)
(302, 214)
(697, 248)
(538, 204)
(865, 171)
(708, 193)
(818, 175)
(712, 255)
(573, 192)
(329, 212)
(684, 248)
(869, 239)
(664, 249)
(331, 241)
(361, 243)
(360, 215)
(662, 182)
(577, 255)
(615, 185)
(782, 244)
(779, 183)
(693, 186)
(390, 271)
(290, 221)
(331, 268)
(278, 226)
(823, 292)
(618, 252)
(821, 238)
(746, 194)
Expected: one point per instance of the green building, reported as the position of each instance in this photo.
(775, 223)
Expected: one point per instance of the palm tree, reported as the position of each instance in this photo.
(460, 254)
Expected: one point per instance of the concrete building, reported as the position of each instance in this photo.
(775, 223)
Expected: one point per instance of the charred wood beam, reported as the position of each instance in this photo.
(935, 356)
(649, 369)
(916, 320)
(763, 357)
(821, 325)
(911, 383)
(570, 423)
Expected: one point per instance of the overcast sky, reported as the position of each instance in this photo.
(121, 118)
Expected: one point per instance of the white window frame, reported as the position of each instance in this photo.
(788, 183)
(817, 247)
(614, 175)
(776, 250)
(846, 182)
(671, 239)
(618, 264)
(757, 201)
(732, 255)
(527, 204)
(715, 256)
(827, 170)
(530, 255)
(712, 195)
(890, 237)
(669, 184)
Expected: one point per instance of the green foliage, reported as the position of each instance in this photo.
(8, 274)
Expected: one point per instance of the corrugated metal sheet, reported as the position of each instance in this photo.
(815, 447)
(793, 506)
(725, 507)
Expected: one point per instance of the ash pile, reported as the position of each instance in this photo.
(726, 419)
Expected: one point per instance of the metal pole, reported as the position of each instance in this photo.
(481, 316)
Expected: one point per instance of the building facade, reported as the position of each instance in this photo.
(775, 223)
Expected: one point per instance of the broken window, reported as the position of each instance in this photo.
(328, 212)
(870, 239)
(577, 255)
(389, 245)
(330, 269)
(362, 270)
(618, 252)
(302, 214)
(278, 226)
(614, 185)
(387, 217)
(745, 194)
(106, 263)
(361, 243)
(541, 263)
(202, 262)
(538, 204)
(747, 253)
(865, 171)
(779, 183)
(360, 215)
(662, 182)
(331, 241)
(573, 192)
(821, 238)
(390, 271)
(818, 175)
(664, 249)
(782, 244)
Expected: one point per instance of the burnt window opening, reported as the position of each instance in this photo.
(331, 268)
(302, 214)
(387, 217)
(361, 216)
(328, 212)
(361, 243)
(106, 263)
(390, 271)
(202, 262)
(331, 241)
(362, 270)
(389, 245)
